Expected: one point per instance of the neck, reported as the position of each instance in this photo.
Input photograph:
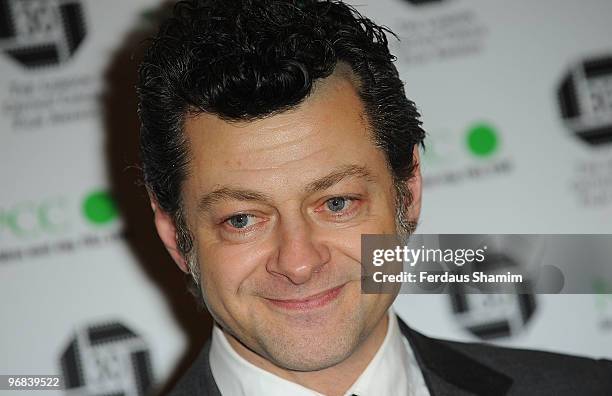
(332, 381)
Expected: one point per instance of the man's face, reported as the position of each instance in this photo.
(277, 207)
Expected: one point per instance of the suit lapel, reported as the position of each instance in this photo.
(199, 380)
(450, 372)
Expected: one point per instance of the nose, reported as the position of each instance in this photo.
(299, 253)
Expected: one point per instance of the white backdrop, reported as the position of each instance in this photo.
(516, 98)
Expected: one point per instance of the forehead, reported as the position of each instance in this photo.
(329, 129)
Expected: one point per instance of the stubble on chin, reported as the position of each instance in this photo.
(313, 347)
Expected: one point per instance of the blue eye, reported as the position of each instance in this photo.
(239, 221)
(336, 204)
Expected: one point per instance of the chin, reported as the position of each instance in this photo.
(311, 355)
(311, 348)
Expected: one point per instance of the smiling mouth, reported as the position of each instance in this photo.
(314, 301)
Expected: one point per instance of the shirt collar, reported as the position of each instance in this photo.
(385, 375)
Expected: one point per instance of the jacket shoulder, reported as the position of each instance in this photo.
(542, 370)
(198, 379)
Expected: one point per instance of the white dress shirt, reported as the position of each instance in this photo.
(393, 371)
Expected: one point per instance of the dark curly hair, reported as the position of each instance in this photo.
(248, 59)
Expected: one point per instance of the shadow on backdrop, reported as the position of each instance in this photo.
(123, 164)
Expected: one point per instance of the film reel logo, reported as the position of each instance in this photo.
(38, 33)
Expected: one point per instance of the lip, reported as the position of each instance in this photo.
(314, 301)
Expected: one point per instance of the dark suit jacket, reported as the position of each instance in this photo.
(462, 369)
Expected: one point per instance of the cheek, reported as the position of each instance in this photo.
(374, 306)
(348, 241)
(227, 269)
(381, 214)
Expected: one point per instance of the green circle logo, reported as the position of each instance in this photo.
(99, 207)
(482, 140)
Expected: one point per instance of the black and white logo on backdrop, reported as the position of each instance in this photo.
(492, 316)
(38, 33)
(107, 359)
(585, 99)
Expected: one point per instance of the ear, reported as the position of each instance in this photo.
(167, 233)
(415, 186)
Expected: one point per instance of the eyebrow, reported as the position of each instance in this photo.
(334, 177)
